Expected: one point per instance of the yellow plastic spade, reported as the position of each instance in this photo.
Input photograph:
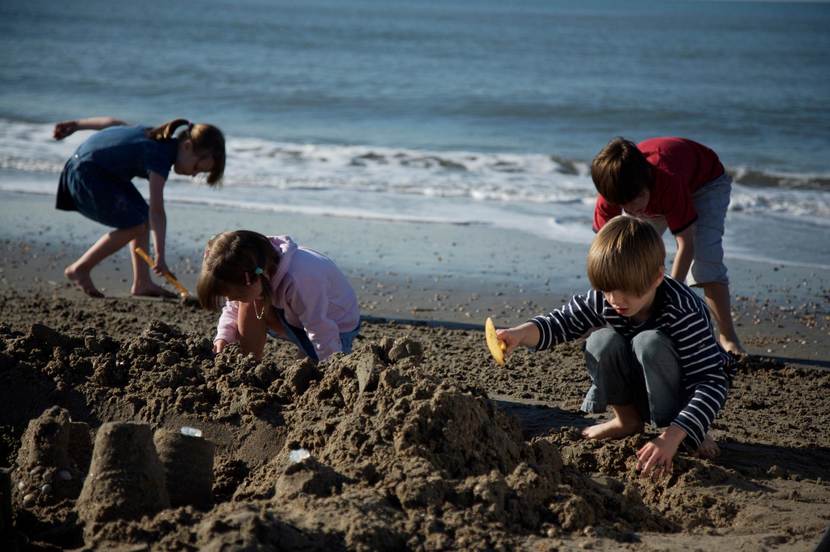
(495, 345)
(169, 277)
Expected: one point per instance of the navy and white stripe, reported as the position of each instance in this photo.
(706, 369)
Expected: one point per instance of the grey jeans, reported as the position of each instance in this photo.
(711, 203)
(644, 372)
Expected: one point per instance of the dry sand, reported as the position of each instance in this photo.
(417, 439)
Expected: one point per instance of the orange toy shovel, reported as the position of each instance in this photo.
(169, 277)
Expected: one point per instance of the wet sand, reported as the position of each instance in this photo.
(417, 440)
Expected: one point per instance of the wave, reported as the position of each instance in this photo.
(256, 166)
(771, 179)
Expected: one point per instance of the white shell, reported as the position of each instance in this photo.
(191, 431)
(298, 455)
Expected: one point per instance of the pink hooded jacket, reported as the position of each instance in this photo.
(312, 292)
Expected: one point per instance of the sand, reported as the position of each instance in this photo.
(416, 440)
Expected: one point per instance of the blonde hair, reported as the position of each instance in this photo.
(621, 172)
(626, 255)
(206, 139)
(231, 260)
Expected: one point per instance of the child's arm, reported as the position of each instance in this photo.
(685, 253)
(65, 128)
(582, 313)
(158, 221)
(524, 335)
(227, 331)
(702, 365)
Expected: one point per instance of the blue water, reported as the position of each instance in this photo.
(750, 79)
(409, 110)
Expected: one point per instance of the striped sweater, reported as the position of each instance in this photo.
(706, 369)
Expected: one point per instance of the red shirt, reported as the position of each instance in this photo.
(681, 168)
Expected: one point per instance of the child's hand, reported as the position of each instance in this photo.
(64, 129)
(160, 267)
(218, 345)
(526, 334)
(655, 457)
(510, 338)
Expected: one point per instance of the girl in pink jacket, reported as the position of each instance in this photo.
(272, 286)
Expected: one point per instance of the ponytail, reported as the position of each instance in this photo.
(166, 131)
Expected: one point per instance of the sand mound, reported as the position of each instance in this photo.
(398, 455)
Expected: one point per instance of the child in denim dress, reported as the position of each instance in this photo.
(97, 182)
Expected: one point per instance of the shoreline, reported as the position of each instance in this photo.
(438, 273)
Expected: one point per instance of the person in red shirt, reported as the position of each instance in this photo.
(681, 185)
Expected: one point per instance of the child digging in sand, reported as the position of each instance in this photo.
(679, 184)
(652, 354)
(97, 182)
(272, 286)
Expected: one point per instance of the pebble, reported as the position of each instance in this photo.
(28, 500)
(21, 485)
(191, 431)
(64, 475)
(46, 489)
(298, 455)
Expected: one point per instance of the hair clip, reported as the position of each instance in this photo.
(258, 271)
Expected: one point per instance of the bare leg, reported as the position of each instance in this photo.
(717, 297)
(143, 285)
(79, 271)
(626, 422)
(252, 331)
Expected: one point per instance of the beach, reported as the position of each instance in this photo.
(440, 153)
(418, 440)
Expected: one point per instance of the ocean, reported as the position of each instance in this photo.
(472, 112)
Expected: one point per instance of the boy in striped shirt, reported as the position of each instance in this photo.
(652, 354)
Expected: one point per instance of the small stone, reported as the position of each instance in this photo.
(36, 470)
(298, 455)
(191, 431)
(21, 485)
(28, 500)
(64, 475)
(46, 488)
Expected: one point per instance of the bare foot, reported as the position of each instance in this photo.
(732, 346)
(152, 290)
(612, 429)
(708, 449)
(83, 280)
